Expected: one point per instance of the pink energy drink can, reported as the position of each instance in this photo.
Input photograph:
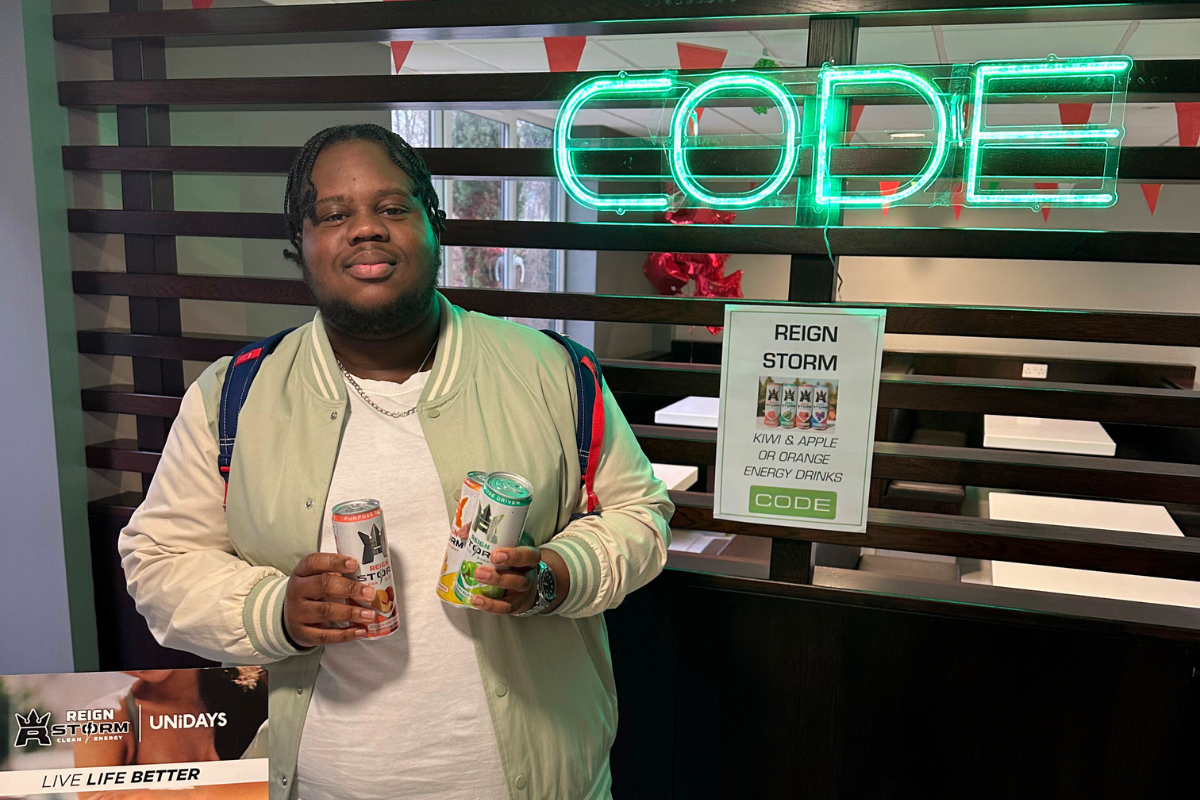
(773, 405)
(359, 533)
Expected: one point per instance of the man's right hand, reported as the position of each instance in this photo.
(316, 595)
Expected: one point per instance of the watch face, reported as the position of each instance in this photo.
(546, 583)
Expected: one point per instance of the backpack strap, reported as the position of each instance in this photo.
(239, 375)
(589, 423)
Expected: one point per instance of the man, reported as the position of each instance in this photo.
(394, 394)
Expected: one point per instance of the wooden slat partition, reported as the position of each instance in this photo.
(147, 163)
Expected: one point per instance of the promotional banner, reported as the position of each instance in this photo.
(96, 736)
(799, 390)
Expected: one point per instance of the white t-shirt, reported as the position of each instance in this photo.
(404, 715)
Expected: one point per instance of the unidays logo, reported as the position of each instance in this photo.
(33, 729)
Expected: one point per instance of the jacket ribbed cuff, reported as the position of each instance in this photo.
(262, 617)
(583, 565)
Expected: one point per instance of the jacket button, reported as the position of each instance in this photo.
(520, 782)
(501, 690)
(283, 780)
(434, 413)
(333, 415)
(299, 690)
(308, 503)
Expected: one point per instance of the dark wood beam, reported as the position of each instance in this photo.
(1158, 164)
(465, 19)
(1151, 81)
(1133, 327)
(1051, 245)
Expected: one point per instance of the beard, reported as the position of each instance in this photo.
(381, 322)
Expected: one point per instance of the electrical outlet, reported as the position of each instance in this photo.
(1033, 371)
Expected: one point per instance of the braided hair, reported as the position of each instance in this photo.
(300, 198)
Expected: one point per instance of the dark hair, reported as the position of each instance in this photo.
(301, 196)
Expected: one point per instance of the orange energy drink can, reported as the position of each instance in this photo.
(359, 533)
(460, 529)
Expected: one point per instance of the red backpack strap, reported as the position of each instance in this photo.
(589, 422)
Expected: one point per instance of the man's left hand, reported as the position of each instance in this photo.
(520, 565)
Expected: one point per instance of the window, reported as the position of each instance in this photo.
(533, 200)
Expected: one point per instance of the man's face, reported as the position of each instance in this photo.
(370, 256)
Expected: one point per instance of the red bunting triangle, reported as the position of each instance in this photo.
(1188, 117)
(564, 52)
(1150, 192)
(399, 53)
(957, 198)
(1046, 187)
(1074, 113)
(856, 113)
(201, 4)
(697, 56)
(887, 188)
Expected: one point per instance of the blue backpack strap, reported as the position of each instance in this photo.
(243, 368)
(589, 423)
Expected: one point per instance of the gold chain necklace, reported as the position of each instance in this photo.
(393, 414)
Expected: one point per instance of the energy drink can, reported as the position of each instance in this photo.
(804, 405)
(464, 512)
(771, 410)
(359, 533)
(499, 521)
(820, 406)
(787, 405)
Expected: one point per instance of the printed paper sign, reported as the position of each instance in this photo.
(799, 390)
(100, 735)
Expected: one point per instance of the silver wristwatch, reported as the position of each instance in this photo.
(544, 585)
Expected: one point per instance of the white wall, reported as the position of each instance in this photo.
(35, 625)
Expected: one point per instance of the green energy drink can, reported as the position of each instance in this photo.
(787, 405)
(499, 521)
(359, 533)
(460, 528)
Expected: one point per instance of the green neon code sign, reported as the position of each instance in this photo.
(780, 501)
(992, 137)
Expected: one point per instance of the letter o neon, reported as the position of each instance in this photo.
(683, 112)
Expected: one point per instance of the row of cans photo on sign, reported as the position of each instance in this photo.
(797, 403)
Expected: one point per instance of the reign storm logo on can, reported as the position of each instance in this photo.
(499, 521)
(359, 533)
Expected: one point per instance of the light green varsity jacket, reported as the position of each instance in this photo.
(500, 397)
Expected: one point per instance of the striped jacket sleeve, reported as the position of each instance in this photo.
(624, 547)
(193, 589)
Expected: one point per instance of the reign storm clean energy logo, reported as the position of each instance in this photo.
(372, 544)
(81, 725)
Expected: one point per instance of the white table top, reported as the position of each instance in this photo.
(677, 477)
(1105, 515)
(699, 412)
(1048, 435)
